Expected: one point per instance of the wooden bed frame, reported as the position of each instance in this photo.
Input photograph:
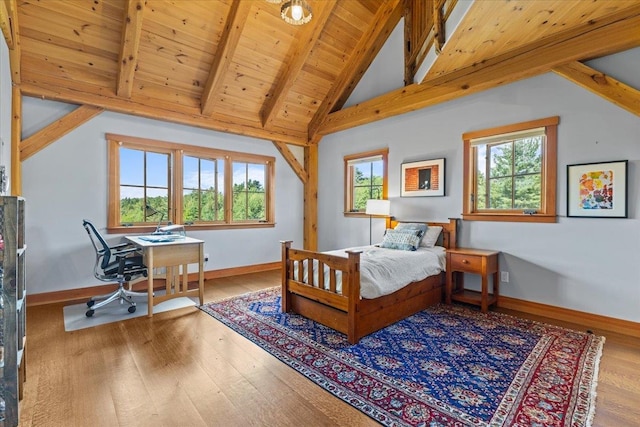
(346, 312)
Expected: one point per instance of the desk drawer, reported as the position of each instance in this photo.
(466, 263)
(172, 255)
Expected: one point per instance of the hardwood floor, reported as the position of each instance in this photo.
(184, 368)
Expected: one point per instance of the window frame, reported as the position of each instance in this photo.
(177, 151)
(247, 192)
(200, 157)
(348, 178)
(547, 211)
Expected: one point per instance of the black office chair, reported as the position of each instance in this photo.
(121, 263)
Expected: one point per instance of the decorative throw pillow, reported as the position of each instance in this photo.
(406, 240)
(431, 236)
(413, 226)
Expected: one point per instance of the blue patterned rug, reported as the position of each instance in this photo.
(445, 366)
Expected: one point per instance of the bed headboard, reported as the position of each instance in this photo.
(449, 234)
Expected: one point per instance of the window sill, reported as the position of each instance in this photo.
(362, 215)
(147, 229)
(509, 217)
(356, 214)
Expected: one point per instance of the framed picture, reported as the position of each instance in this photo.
(424, 178)
(597, 190)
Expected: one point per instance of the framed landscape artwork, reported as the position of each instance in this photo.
(423, 178)
(597, 190)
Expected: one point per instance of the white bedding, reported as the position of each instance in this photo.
(384, 271)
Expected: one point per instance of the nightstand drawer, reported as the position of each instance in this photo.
(467, 263)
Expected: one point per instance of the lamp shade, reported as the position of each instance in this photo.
(378, 207)
(296, 12)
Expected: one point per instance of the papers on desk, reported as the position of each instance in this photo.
(173, 229)
(161, 238)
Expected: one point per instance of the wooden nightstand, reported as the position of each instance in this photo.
(476, 261)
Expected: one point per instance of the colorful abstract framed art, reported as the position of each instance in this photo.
(597, 190)
(424, 178)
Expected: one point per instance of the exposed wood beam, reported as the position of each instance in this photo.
(408, 42)
(370, 43)
(599, 83)
(421, 47)
(14, 62)
(438, 25)
(179, 114)
(16, 135)
(594, 39)
(233, 29)
(316, 140)
(310, 232)
(131, 31)
(292, 161)
(6, 25)
(11, 31)
(309, 35)
(57, 130)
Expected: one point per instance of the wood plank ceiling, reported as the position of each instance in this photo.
(235, 66)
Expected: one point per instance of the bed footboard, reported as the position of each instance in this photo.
(322, 287)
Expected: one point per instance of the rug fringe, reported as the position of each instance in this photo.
(594, 383)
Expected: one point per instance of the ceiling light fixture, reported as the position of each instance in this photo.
(296, 12)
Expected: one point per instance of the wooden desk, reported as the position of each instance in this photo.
(477, 261)
(172, 255)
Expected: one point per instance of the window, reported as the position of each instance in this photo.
(144, 185)
(153, 182)
(249, 194)
(365, 178)
(510, 172)
(202, 189)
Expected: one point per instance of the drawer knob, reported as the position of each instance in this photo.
(464, 261)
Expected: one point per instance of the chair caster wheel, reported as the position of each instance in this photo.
(90, 303)
(89, 313)
(132, 309)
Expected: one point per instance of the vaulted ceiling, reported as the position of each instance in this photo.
(235, 66)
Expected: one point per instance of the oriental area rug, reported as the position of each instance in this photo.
(445, 366)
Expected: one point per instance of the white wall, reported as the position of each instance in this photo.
(5, 110)
(386, 72)
(67, 181)
(590, 265)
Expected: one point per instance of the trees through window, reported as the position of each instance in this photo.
(249, 192)
(202, 189)
(365, 178)
(510, 172)
(153, 182)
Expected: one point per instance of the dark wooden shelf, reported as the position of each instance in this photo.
(13, 320)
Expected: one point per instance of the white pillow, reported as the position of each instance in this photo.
(430, 238)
